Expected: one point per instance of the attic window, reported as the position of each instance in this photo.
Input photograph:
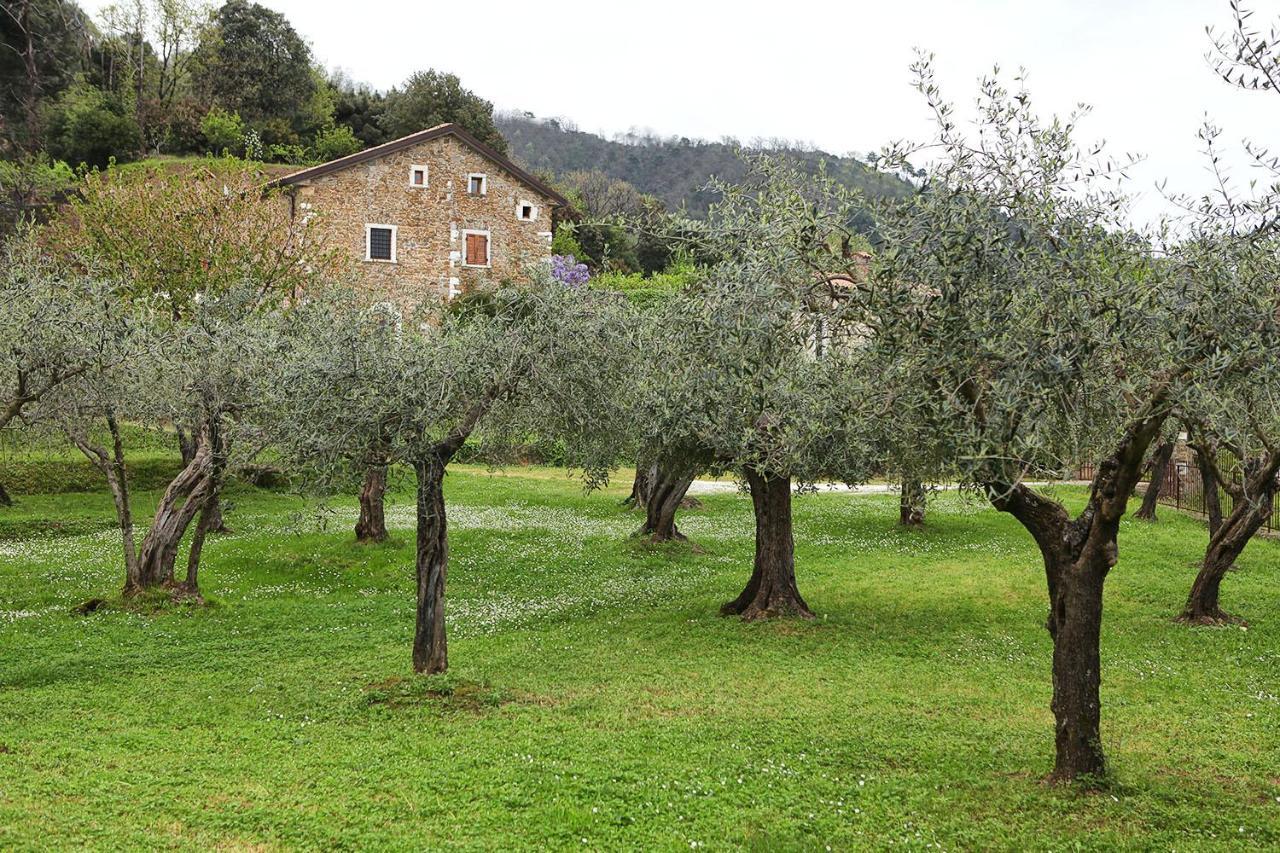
(380, 243)
(526, 211)
(477, 184)
(417, 176)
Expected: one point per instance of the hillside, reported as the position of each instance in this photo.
(674, 170)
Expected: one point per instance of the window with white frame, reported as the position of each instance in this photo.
(526, 211)
(380, 243)
(475, 248)
(477, 183)
(417, 176)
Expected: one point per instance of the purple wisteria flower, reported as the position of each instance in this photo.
(566, 269)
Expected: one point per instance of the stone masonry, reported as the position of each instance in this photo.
(469, 197)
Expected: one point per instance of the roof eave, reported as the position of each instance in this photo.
(414, 139)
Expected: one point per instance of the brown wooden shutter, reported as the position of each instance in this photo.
(477, 249)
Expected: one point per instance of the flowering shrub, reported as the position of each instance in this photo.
(566, 269)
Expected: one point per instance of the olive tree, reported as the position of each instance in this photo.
(1047, 334)
(170, 240)
(158, 370)
(1232, 248)
(739, 373)
(53, 329)
(420, 381)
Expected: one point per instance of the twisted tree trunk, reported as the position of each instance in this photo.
(210, 512)
(430, 645)
(372, 524)
(188, 444)
(1078, 553)
(666, 492)
(641, 485)
(1253, 506)
(772, 589)
(1159, 465)
(912, 502)
(184, 498)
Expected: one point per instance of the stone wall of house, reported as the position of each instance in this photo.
(430, 221)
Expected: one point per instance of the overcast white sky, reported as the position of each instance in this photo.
(834, 74)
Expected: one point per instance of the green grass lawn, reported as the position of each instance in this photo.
(596, 700)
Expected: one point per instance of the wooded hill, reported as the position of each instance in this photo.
(674, 169)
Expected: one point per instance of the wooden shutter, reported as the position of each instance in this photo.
(477, 249)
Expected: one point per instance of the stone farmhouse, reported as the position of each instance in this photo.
(437, 211)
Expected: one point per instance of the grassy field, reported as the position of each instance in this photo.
(596, 700)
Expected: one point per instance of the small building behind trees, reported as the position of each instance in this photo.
(436, 211)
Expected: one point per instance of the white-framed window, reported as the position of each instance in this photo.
(477, 183)
(475, 248)
(526, 211)
(418, 176)
(380, 243)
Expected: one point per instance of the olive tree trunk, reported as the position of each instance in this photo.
(772, 589)
(430, 645)
(1253, 505)
(1159, 466)
(668, 484)
(641, 485)
(184, 498)
(188, 445)
(210, 511)
(912, 501)
(111, 464)
(372, 524)
(1209, 491)
(1078, 553)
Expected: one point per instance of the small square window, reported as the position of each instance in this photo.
(527, 212)
(380, 243)
(476, 184)
(417, 176)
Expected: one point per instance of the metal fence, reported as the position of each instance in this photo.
(1183, 488)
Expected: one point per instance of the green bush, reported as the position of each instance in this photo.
(286, 154)
(222, 131)
(334, 142)
(643, 290)
(86, 125)
(564, 242)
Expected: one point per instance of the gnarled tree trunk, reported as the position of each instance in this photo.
(642, 485)
(188, 445)
(182, 500)
(1159, 465)
(666, 492)
(1252, 508)
(912, 501)
(430, 646)
(372, 524)
(1209, 491)
(1078, 553)
(772, 589)
(210, 511)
